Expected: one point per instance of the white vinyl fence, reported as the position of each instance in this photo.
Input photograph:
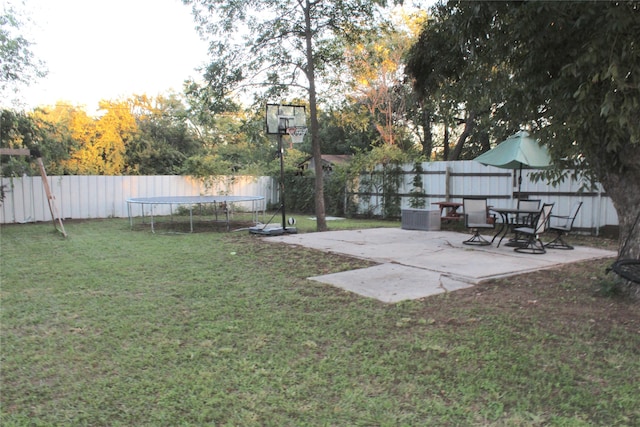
(80, 197)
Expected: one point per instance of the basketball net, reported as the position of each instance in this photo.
(297, 133)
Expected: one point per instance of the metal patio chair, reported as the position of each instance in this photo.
(476, 218)
(563, 226)
(533, 244)
(524, 220)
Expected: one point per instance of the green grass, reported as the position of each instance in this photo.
(113, 327)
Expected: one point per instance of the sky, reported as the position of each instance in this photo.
(111, 49)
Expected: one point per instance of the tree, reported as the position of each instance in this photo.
(18, 65)
(346, 129)
(95, 146)
(284, 46)
(164, 138)
(17, 130)
(377, 75)
(574, 73)
(56, 142)
(458, 89)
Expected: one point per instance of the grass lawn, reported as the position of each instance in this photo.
(114, 327)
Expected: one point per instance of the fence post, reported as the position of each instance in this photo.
(447, 189)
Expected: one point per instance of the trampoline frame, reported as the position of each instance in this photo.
(191, 201)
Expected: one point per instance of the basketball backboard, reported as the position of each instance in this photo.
(281, 117)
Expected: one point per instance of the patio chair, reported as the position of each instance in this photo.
(476, 218)
(533, 244)
(524, 220)
(563, 226)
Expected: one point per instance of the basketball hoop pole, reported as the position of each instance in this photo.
(279, 118)
(281, 151)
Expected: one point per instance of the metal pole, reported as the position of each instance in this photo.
(129, 212)
(281, 151)
(599, 213)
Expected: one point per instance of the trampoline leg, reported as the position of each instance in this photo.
(129, 212)
(152, 228)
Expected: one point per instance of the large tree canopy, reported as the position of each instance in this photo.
(574, 80)
(18, 65)
(277, 48)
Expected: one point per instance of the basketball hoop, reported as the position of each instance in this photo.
(297, 133)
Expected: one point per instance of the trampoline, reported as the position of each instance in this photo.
(190, 202)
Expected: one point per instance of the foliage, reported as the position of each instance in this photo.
(267, 57)
(573, 80)
(417, 199)
(164, 138)
(139, 135)
(17, 130)
(298, 187)
(391, 181)
(377, 175)
(299, 191)
(100, 144)
(335, 192)
(18, 65)
(278, 50)
(234, 143)
(346, 128)
(457, 88)
(377, 76)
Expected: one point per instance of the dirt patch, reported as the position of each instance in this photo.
(579, 293)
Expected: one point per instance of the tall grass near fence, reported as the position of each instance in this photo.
(113, 327)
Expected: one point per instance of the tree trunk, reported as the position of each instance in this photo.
(623, 187)
(624, 191)
(427, 143)
(321, 220)
(483, 138)
(468, 127)
(445, 148)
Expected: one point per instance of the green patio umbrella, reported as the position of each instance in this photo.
(519, 151)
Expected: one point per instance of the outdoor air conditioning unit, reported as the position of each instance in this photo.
(420, 219)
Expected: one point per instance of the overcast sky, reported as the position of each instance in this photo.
(111, 49)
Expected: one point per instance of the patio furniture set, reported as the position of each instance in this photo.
(526, 223)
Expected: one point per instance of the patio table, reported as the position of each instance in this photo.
(449, 210)
(505, 213)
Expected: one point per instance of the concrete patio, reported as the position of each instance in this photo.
(415, 264)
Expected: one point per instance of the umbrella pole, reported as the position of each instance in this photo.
(520, 182)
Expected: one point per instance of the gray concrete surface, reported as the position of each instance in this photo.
(415, 264)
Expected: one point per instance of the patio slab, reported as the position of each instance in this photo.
(415, 264)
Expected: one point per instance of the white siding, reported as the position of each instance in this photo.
(80, 197)
(470, 178)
